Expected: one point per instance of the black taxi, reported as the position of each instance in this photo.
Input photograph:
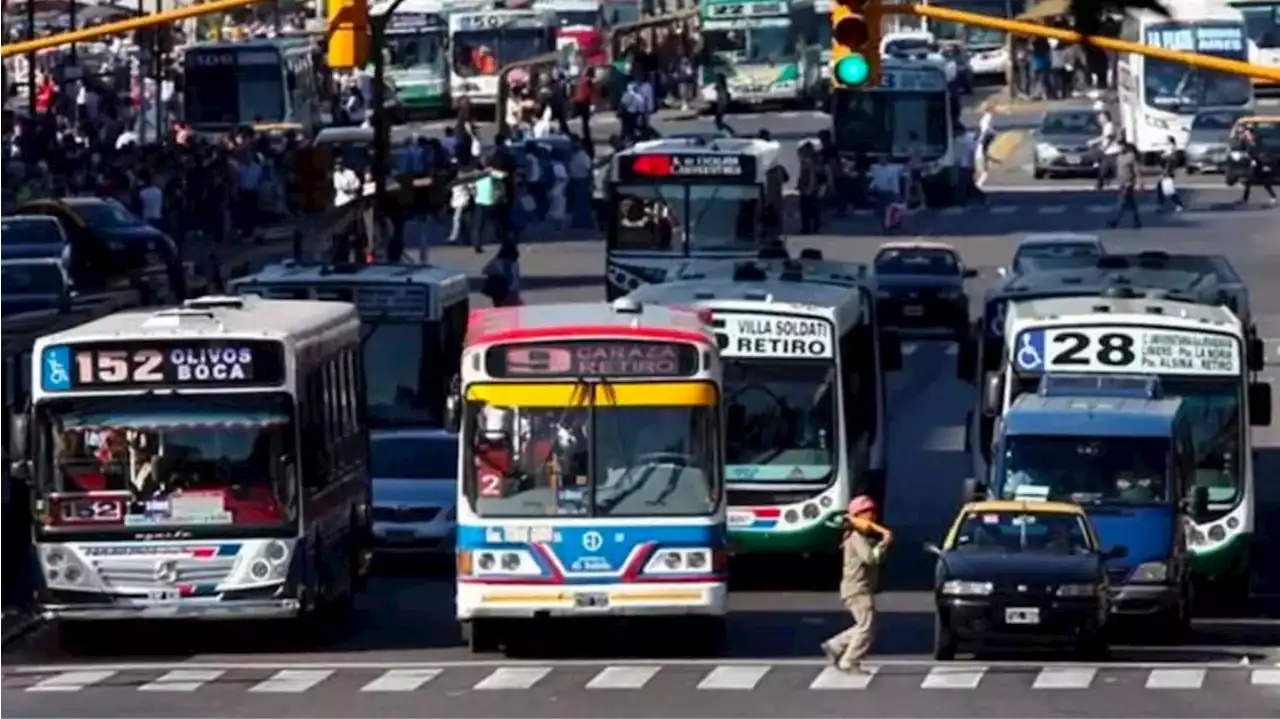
(1021, 574)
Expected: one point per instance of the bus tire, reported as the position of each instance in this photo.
(482, 636)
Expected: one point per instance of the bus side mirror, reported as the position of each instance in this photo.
(992, 394)
(890, 351)
(453, 413)
(1259, 404)
(933, 549)
(966, 359)
(1256, 354)
(19, 424)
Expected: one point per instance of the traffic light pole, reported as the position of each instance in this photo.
(1017, 27)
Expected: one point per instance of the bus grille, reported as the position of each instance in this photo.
(134, 574)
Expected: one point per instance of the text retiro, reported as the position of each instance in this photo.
(781, 336)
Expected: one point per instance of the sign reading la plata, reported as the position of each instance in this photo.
(1147, 350)
(774, 336)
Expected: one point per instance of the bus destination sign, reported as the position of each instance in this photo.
(154, 364)
(689, 168)
(594, 358)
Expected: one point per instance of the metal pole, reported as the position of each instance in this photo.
(381, 130)
(73, 22)
(31, 59)
(276, 20)
(157, 57)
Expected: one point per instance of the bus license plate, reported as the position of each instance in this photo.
(741, 519)
(168, 594)
(1022, 615)
(591, 600)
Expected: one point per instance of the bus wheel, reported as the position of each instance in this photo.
(482, 636)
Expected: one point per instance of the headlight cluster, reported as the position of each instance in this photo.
(675, 562)
(64, 570)
(960, 588)
(268, 564)
(1150, 573)
(499, 563)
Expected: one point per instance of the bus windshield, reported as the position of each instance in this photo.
(144, 461)
(231, 93)
(764, 44)
(601, 461)
(395, 376)
(1086, 470)
(780, 420)
(424, 51)
(484, 52)
(1262, 23)
(1174, 87)
(707, 217)
(1214, 408)
(881, 123)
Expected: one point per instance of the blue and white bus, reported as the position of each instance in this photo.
(591, 462)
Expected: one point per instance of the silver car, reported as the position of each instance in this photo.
(415, 489)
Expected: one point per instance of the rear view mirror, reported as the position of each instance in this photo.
(992, 394)
(1260, 404)
(19, 424)
(453, 406)
(1256, 354)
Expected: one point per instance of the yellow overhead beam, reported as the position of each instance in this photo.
(115, 28)
(1206, 62)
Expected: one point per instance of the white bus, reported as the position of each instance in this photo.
(675, 199)
(1262, 23)
(1158, 99)
(267, 84)
(417, 55)
(482, 42)
(804, 382)
(201, 462)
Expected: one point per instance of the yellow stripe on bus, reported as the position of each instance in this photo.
(635, 394)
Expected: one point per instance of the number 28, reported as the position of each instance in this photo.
(117, 366)
(1113, 349)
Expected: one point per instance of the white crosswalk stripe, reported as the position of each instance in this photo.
(623, 677)
(291, 681)
(721, 677)
(401, 680)
(734, 677)
(505, 678)
(71, 681)
(1003, 209)
(1099, 209)
(182, 680)
(1052, 209)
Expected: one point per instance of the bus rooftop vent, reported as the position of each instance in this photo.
(1116, 386)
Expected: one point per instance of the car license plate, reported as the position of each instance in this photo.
(913, 310)
(401, 535)
(1022, 615)
(1073, 159)
(591, 600)
(741, 519)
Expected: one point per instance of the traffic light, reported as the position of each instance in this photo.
(348, 34)
(855, 42)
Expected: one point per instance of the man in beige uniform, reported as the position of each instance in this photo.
(863, 548)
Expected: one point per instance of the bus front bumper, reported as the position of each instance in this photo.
(483, 601)
(125, 610)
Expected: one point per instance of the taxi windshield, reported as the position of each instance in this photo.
(1086, 470)
(1056, 256)
(1023, 531)
(593, 457)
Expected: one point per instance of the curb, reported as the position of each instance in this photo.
(18, 627)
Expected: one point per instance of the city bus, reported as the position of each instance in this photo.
(415, 318)
(417, 56)
(1158, 99)
(804, 382)
(265, 84)
(483, 41)
(1262, 24)
(759, 49)
(675, 199)
(913, 97)
(1201, 354)
(207, 461)
(590, 470)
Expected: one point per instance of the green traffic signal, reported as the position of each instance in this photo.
(852, 70)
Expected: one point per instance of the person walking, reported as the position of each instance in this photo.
(1167, 188)
(1128, 183)
(863, 547)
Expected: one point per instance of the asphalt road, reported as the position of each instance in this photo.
(400, 654)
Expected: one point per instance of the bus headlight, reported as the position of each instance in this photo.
(959, 588)
(667, 562)
(260, 570)
(1150, 572)
(1217, 533)
(65, 570)
(500, 563)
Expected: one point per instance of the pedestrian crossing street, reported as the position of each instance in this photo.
(698, 677)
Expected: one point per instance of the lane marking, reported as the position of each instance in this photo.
(734, 678)
(504, 678)
(291, 681)
(1003, 209)
(1005, 144)
(622, 678)
(953, 678)
(401, 680)
(1064, 678)
(182, 680)
(1265, 677)
(832, 678)
(1175, 678)
(72, 681)
(1052, 209)
(1100, 209)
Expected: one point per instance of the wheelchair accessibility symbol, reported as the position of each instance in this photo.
(1029, 354)
(56, 369)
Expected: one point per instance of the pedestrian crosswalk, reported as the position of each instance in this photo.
(693, 676)
(1098, 209)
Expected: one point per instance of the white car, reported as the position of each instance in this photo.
(918, 46)
(415, 490)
